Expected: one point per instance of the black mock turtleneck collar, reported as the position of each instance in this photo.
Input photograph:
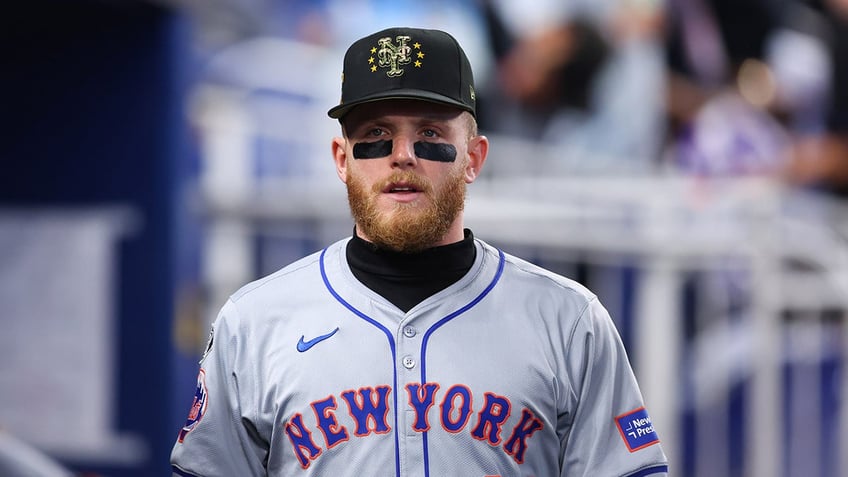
(405, 279)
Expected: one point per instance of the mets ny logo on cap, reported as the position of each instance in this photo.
(392, 56)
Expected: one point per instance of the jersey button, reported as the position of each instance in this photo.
(408, 362)
(409, 332)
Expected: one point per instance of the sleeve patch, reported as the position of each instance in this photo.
(198, 406)
(636, 429)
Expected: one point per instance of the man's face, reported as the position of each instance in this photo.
(406, 168)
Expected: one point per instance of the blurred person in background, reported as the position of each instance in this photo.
(585, 77)
(756, 89)
(819, 156)
(717, 125)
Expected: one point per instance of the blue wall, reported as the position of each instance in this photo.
(92, 107)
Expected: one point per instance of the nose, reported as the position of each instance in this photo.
(403, 152)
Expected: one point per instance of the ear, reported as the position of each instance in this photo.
(340, 157)
(478, 150)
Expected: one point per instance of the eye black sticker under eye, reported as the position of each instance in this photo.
(372, 150)
(435, 151)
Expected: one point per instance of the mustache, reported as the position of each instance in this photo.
(406, 177)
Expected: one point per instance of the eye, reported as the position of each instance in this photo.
(429, 133)
(375, 132)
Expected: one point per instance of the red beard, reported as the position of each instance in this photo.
(408, 227)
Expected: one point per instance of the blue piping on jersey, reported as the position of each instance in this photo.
(391, 345)
(471, 304)
(650, 471)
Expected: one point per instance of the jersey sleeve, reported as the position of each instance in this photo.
(610, 432)
(218, 439)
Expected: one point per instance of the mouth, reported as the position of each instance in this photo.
(401, 188)
(403, 192)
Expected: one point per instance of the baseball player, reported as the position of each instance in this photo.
(414, 348)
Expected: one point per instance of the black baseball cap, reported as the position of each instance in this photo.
(406, 63)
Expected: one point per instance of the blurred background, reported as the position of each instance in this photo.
(685, 159)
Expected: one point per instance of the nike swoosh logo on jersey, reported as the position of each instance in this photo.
(305, 345)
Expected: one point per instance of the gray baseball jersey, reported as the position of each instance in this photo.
(511, 371)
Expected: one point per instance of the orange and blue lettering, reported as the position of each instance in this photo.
(327, 422)
(516, 445)
(369, 406)
(301, 439)
(495, 412)
(463, 409)
(421, 399)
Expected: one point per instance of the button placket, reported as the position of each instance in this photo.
(408, 346)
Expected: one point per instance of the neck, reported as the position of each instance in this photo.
(405, 279)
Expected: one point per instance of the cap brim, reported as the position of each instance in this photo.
(338, 111)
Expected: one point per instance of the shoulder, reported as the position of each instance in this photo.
(522, 275)
(294, 292)
(296, 280)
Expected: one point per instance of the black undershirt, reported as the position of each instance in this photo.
(406, 279)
